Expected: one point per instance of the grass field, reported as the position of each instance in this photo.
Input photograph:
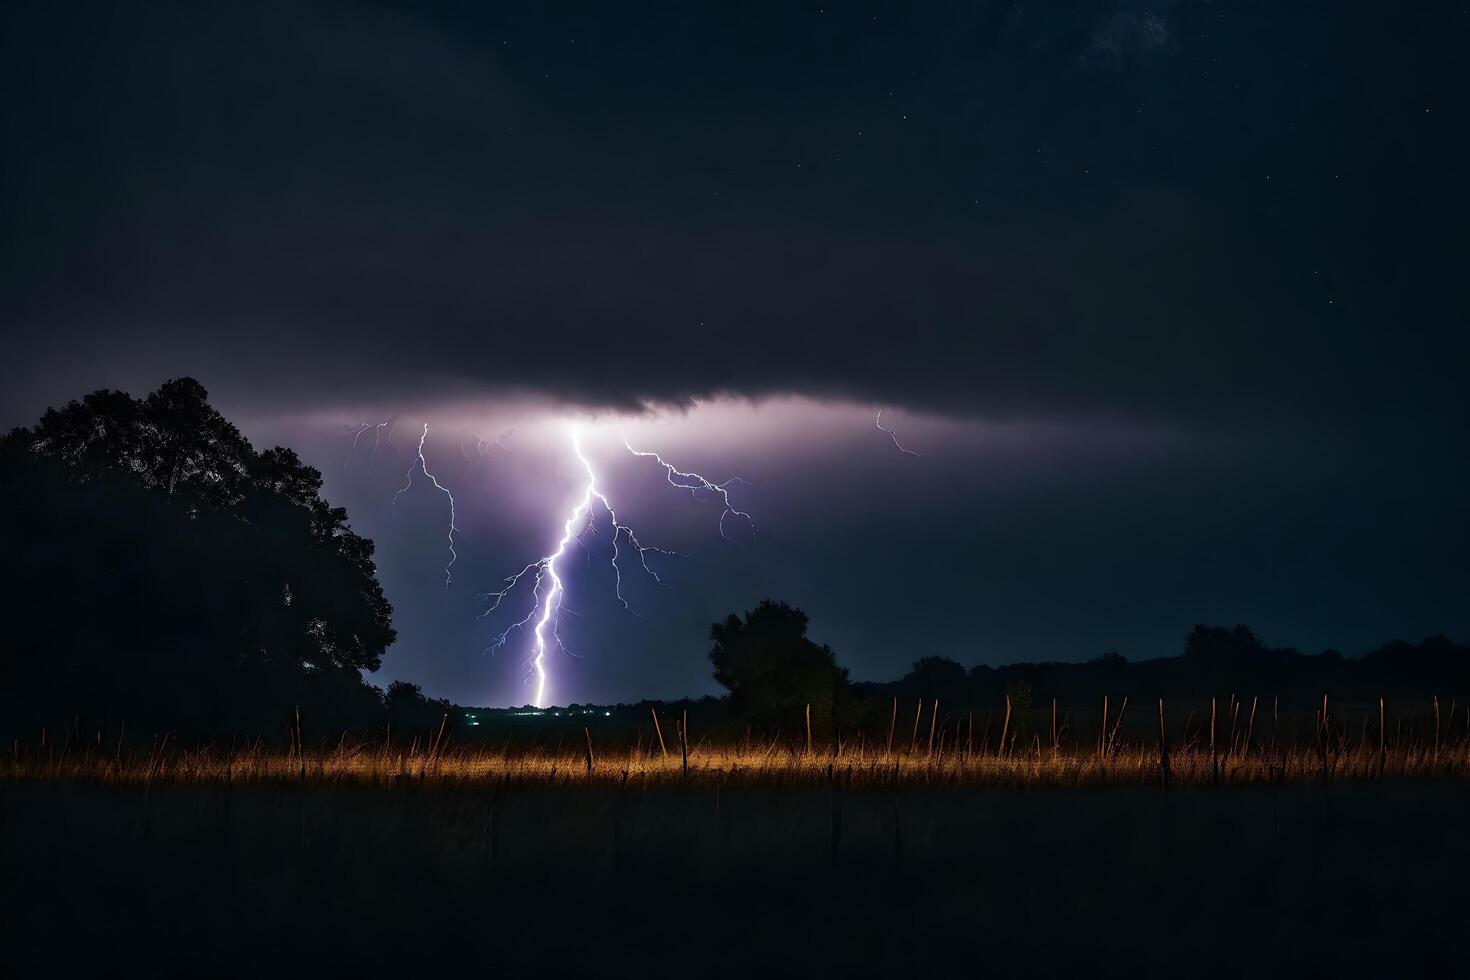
(1224, 746)
(1338, 855)
(756, 765)
(335, 877)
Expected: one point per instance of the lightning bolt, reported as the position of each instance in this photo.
(421, 465)
(694, 483)
(893, 435)
(357, 432)
(548, 589)
(391, 424)
(483, 447)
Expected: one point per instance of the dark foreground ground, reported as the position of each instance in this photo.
(319, 879)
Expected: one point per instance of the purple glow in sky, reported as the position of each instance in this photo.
(1008, 539)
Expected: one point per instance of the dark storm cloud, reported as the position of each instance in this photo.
(969, 211)
(619, 314)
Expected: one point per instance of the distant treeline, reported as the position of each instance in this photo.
(1216, 662)
(778, 682)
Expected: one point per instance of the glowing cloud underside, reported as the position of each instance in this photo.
(547, 588)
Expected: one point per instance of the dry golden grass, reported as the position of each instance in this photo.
(753, 763)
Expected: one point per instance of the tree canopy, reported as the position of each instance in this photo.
(161, 571)
(773, 671)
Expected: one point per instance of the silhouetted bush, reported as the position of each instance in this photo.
(773, 672)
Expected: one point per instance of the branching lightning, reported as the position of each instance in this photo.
(357, 432)
(695, 483)
(893, 435)
(391, 424)
(421, 465)
(548, 589)
(483, 447)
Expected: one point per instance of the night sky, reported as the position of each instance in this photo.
(1171, 301)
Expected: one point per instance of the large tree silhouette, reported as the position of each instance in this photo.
(159, 571)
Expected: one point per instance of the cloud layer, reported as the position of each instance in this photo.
(971, 213)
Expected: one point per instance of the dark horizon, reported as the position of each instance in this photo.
(1214, 662)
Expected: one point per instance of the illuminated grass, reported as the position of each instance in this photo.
(756, 763)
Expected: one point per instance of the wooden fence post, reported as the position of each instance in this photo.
(892, 722)
(1232, 712)
(1117, 723)
(1382, 737)
(439, 738)
(1323, 731)
(660, 732)
(1163, 748)
(684, 740)
(1436, 728)
(1250, 726)
(1214, 755)
(1053, 726)
(933, 717)
(300, 749)
(1005, 726)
